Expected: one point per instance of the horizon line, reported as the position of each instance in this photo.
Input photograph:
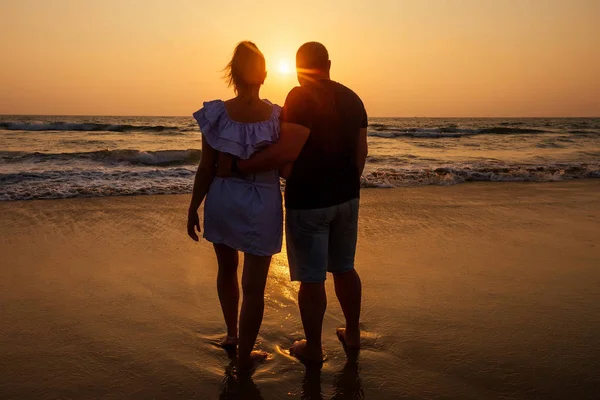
(190, 116)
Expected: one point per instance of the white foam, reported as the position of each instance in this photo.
(113, 181)
(159, 157)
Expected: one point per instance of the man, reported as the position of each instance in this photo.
(324, 135)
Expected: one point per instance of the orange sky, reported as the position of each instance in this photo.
(404, 58)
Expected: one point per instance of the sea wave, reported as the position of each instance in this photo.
(89, 127)
(390, 132)
(99, 182)
(134, 157)
(452, 131)
(451, 175)
(375, 129)
(60, 184)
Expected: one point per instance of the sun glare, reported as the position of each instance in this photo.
(284, 68)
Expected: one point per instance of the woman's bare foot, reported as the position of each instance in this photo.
(351, 341)
(229, 341)
(304, 353)
(256, 357)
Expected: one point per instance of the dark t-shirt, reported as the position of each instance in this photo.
(326, 172)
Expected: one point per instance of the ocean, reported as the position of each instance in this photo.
(50, 157)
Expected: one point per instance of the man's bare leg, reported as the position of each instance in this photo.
(312, 300)
(348, 290)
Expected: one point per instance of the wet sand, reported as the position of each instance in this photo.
(475, 291)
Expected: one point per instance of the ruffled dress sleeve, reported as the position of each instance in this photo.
(236, 138)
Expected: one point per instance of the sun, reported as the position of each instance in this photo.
(284, 67)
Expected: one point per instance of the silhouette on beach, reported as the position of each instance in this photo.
(318, 143)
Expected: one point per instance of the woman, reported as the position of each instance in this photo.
(240, 213)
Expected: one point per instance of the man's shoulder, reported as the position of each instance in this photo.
(347, 89)
(300, 93)
(296, 90)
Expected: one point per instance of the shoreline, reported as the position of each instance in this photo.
(367, 188)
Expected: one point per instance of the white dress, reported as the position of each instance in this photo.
(244, 214)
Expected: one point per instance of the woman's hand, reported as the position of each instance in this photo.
(224, 165)
(193, 224)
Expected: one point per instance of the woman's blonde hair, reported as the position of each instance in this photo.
(246, 68)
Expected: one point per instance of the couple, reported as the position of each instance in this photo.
(318, 143)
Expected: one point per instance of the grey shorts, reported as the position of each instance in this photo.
(321, 240)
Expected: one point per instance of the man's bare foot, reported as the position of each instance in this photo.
(229, 341)
(302, 352)
(256, 357)
(350, 341)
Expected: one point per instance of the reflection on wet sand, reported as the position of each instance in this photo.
(311, 384)
(280, 289)
(347, 383)
(234, 387)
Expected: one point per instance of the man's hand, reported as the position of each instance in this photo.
(224, 164)
(292, 139)
(193, 224)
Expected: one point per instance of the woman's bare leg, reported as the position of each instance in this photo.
(254, 279)
(228, 289)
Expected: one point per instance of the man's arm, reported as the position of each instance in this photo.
(292, 138)
(296, 121)
(362, 150)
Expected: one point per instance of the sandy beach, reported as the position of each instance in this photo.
(474, 291)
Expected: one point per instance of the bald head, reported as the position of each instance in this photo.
(313, 56)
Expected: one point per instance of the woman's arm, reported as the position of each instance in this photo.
(204, 177)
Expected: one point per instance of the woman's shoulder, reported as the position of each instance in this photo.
(227, 135)
(210, 116)
(276, 107)
(215, 109)
(211, 107)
